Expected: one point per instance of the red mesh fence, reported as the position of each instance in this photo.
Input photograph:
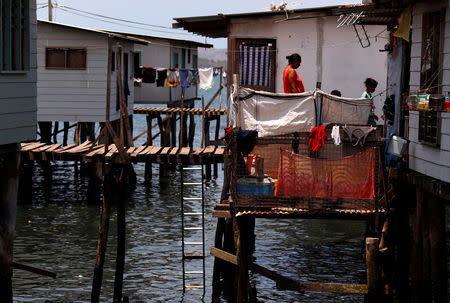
(348, 177)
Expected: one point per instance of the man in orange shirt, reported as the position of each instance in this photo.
(291, 80)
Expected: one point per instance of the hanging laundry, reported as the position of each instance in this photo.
(185, 78)
(162, 75)
(335, 135)
(316, 138)
(173, 77)
(359, 132)
(195, 77)
(215, 71)
(148, 74)
(206, 78)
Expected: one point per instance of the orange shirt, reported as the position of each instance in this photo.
(299, 82)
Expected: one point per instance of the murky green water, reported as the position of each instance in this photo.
(57, 231)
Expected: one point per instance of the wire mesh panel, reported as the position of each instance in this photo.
(349, 177)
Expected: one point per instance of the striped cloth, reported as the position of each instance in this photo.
(255, 65)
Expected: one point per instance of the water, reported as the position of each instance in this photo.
(58, 232)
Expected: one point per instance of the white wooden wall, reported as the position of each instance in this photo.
(77, 95)
(18, 97)
(431, 161)
(340, 64)
(158, 53)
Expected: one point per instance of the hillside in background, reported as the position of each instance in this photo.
(212, 57)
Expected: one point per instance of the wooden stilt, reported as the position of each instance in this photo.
(374, 283)
(191, 130)
(94, 183)
(417, 250)
(149, 142)
(55, 132)
(9, 184)
(242, 254)
(426, 258)
(66, 133)
(45, 129)
(439, 279)
(218, 264)
(109, 187)
(216, 139)
(229, 271)
(207, 166)
(26, 183)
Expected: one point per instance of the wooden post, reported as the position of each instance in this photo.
(109, 187)
(207, 165)
(181, 138)
(94, 183)
(417, 250)
(121, 227)
(66, 133)
(374, 283)
(45, 129)
(203, 121)
(191, 130)
(148, 165)
(9, 183)
(217, 269)
(55, 132)
(439, 278)
(236, 84)
(426, 257)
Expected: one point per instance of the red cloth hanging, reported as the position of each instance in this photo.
(317, 138)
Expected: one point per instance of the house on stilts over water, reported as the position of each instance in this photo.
(283, 157)
(17, 118)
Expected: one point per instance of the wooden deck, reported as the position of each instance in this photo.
(176, 110)
(85, 152)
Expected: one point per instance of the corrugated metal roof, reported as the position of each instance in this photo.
(294, 211)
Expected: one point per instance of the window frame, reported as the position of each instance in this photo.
(438, 46)
(429, 131)
(273, 64)
(65, 49)
(16, 36)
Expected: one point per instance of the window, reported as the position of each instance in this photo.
(175, 60)
(430, 127)
(183, 58)
(14, 35)
(137, 58)
(194, 61)
(256, 63)
(65, 58)
(432, 42)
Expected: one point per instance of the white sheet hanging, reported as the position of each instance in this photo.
(343, 110)
(276, 114)
(206, 76)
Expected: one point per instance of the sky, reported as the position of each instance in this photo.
(160, 13)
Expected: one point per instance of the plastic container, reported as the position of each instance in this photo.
(251, 186)
(397, 146)
(436, 102)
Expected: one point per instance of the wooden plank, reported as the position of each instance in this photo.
(111, 152)
(219, 151)
(32, 146)
(185, 151)
(223, 255)
(138, 150)
(145, 150)
(62, 149)
(285, 283)
(174, 151)
(209, 150)
(54, 147)
(131, 150)
(198, 151)
(221, 214)
(165, 151)
(24, 144)
(43, 148)
(155, 150)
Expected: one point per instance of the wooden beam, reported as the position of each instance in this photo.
(223, 255)
(285, 283)
(35, 270)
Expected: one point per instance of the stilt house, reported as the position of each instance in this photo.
(17, 118)
(72, 73)
(163, 52)
(335, 52)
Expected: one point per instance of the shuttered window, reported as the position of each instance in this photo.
(65, 58)
(14, 35)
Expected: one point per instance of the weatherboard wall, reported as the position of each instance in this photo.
(330, 55)
(433, 161)
(77, 95)
(18, 96)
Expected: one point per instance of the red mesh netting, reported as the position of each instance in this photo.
(349, 177)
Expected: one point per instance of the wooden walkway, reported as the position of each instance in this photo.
(176, 110)
(86, 153)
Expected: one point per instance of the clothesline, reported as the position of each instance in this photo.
(183, 77)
